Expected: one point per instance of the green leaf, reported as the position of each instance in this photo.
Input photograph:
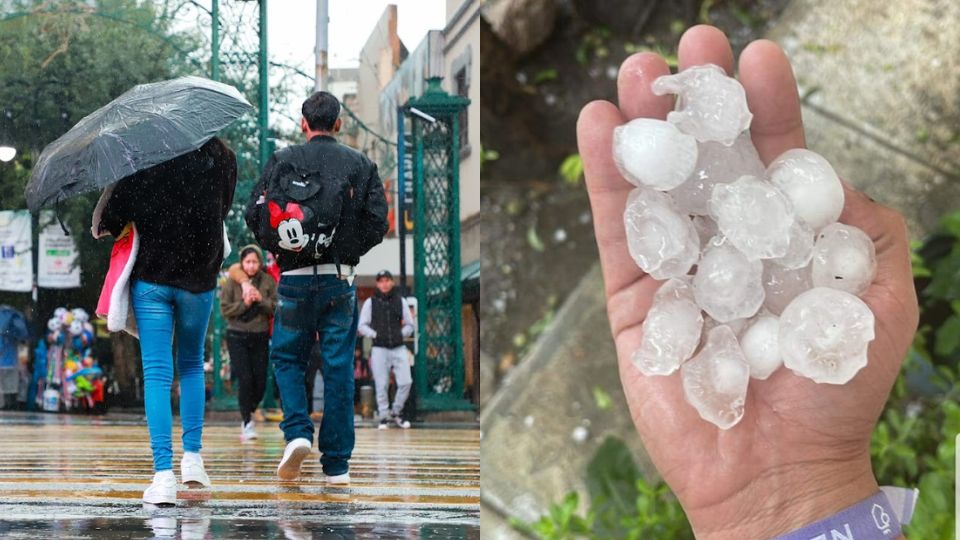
(951, 223)
(602, 398)
(948, 336)
(572, 169)
(534, 240)
(546, 75)
(612, 474)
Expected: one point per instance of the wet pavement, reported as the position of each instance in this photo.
(80, 477)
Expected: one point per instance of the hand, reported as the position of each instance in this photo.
(247, 289)
(801, 451)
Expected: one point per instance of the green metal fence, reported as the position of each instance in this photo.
(439, 372)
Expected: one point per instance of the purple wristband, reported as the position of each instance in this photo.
(870, 518)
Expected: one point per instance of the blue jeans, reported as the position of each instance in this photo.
(308, 305)
(160, 311)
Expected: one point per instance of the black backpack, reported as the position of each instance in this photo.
(301, 209)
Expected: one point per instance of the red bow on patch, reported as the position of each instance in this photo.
(278, 216)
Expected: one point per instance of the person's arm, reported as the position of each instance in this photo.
(236, 273)
(227, 165)
(408, 323)
(364, 325)
(373, 214)
(119, 210)
(268, 293)
(231, 304)
(254, 203)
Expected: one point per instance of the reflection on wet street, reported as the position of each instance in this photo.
(83, 478)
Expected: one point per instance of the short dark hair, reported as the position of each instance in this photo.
(321, 111)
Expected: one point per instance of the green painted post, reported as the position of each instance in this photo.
(419, 277)
(439, 368)
(264, 86)
(215, 41)
(457, 302)
(269, 400)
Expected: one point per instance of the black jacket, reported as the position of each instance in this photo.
(363, 220)
(178, 207)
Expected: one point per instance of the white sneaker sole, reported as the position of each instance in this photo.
(289, 469)
(160, 500)
(339, 480)
(195, 484)
(194, 480)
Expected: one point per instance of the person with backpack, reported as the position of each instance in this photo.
(319, 207)
(386, 319)
(248, 326)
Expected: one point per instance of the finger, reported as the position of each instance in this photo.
(887, 229)
(633, 87)
(892, 296)
(608, 193)
(767, 77)
(704, 44)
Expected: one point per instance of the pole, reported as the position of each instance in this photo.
(401, 195)
(215, 40)
(264, 86)
(269, 400)
(323, 19)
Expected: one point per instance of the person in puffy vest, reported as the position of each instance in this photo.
(385, 318)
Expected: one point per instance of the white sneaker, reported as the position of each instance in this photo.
(163, 490)
(296, 451)
(400, 422)
(191, 471)
(339, 480)
(248, 431)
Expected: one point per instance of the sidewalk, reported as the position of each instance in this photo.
(87, 474)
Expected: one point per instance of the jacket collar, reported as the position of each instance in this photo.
(323, 138)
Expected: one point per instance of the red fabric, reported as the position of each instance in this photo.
(97, 393)
(278, 216)
(119, 256)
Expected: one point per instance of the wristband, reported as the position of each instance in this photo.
(879, 516)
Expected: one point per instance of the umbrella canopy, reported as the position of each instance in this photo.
(145, 126)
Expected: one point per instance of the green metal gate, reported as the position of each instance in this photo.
(439, 372)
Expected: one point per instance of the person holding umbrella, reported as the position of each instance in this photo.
(178, 208)
(167, 184)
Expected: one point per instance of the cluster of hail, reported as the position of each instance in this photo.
(757, 271)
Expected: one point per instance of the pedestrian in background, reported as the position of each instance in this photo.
(386, 318)
(248, 338)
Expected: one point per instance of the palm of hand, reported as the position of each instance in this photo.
(794, 433)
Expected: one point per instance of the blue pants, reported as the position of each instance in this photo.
(160, 311)
(328, 306)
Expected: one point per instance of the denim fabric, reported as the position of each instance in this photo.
(308, 305)
(161, 311)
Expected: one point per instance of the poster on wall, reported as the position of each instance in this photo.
(57, 265)
(16, 256)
